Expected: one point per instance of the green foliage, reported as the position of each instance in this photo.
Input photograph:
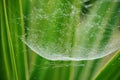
(19, 62)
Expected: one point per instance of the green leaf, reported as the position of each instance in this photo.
(73, 39)
(15, 59)
(111, 70)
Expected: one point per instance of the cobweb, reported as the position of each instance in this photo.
(56, 31)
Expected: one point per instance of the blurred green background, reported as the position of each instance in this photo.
(19, 62)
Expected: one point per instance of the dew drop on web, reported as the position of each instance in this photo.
(59, 34)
